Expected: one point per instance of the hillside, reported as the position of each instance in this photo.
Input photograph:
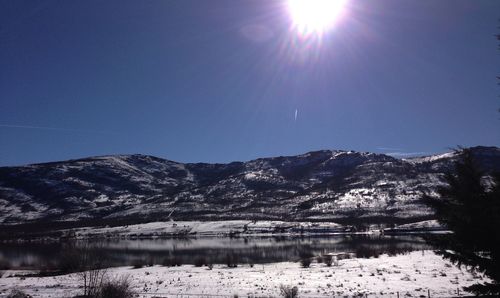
(328, 185)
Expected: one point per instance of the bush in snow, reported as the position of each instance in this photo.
(210, 265)
(289, 291)
(232, 260)
(200, 261)
(151, 262)
(139, 263)
(119, 288)
(305, 262)
(305, 258)
(327, 259)
(93, 269)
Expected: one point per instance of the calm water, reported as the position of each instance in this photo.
(216, 249)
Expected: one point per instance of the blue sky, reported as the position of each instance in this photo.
(224, 80)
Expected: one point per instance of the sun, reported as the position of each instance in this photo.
(315, 16)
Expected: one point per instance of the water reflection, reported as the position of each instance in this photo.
(253, 250)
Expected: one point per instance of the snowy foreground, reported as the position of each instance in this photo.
(412, 275)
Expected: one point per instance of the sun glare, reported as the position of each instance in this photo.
(314, 16)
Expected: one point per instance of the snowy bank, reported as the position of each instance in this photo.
(207, 228)
(412, 275)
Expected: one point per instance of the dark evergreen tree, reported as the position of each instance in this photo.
(469, 205)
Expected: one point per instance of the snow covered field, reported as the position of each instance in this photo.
(412, 275)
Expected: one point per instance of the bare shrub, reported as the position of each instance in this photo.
(327, 259)
(305, 258)
(231, 260)
(139, 263)
(305, 262)
(151, 262)
(118, 288)
(289, 291)
(200, 261)
(93, 269)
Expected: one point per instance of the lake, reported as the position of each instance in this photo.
(253, 250)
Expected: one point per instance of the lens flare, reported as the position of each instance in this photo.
(315, 16)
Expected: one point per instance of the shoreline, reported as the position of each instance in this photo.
(227, 228)
(413, 273)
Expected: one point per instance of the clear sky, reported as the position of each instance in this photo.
(225, 80)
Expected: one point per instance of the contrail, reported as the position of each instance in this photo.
(55, 128)
(296, 113)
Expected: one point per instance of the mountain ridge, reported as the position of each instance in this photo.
(327, 185)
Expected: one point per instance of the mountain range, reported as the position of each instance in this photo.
(328, 185)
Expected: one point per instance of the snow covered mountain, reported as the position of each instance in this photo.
(342, 186)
